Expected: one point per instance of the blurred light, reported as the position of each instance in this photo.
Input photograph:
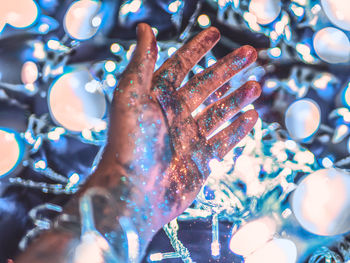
(275, 251)
(156, 257)
(29, 87)
(252, 235)
(265, 11)
(321, 202)
(41, 165)
(18, 13)
(73, 180)
(275, 52)
(203, 21)
(130, 51)
(111, 80)
(252, 21)
(171, 51)
(341, 131)
(302, 118)
(211, 61)
(29, 73)
(304, 157)
(44, 28)
(115, 48)
(332, 45)
(305, 52)
(110, 66)
(338, 12)
(39, 52)
(327, 162)
(315, 9)
(297, 10)
(155, 31)
(11, 151)
(291, 145)
(131, 7)
(96, 21)
(53, 44)
(346, 95)
(215, 249)
(74, 104)
(174, 6)
(80, 20)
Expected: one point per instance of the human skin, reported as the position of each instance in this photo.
(156, 157)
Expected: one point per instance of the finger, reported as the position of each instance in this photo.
(201, 85)
(225, 140)
(138, 74)
(219, 93)
(174, 70)
(221, 111)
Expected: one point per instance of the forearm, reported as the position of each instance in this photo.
(113, 216)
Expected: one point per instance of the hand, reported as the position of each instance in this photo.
(156, 158)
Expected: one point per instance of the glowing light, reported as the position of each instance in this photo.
(341, 131)
(115, 48)
(327, 162)
(252, 235)
(39, 51)
(111, 80)
(131, 7)
(211, 61)
(81, 21)
(75, 105)
(338, 12)
(203, 21)
(10, 151)
(171, 51)
(110, 66)
(252, 21)
(156, 257)
(305, 52)
(297, 10)
(155, 31)
(346, 95)
(96, 21)
(275, 52)
(130, 51)
(302, 118)
(29, 72)
(332, 45)
(174, 6)
(41, 165)
(321, 202)
(265, 11)
(53, 44)
(18, 13)
(275, 251)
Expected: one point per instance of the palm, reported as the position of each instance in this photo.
(153, 135)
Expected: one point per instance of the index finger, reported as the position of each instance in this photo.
(174, 70)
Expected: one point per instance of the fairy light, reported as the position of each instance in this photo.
(115, 48)
(203, 21)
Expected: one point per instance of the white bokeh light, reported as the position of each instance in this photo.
(252, 235)
(18, 13)
(77, 102)
(321, 202)
(10, 151)
(338, 12)
(265, 11)
(332, 45)
(275, 251)
(82, 20)
(302, 118)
